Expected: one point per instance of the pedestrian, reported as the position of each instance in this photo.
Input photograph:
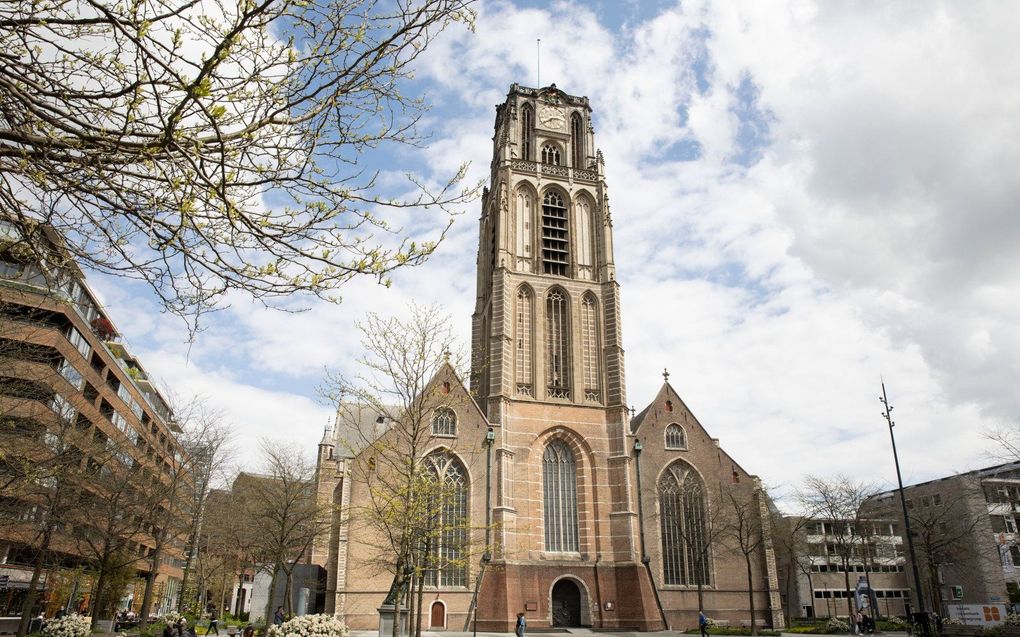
(59, 614)
(249, 631)
(168, 631)
(278, 616)
(521, 625)
(855, 623)
(703, 623)
(182, 627)
(213, 627)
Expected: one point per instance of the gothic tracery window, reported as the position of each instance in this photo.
(590, 349)
(523, 341)
(444, 422)
(525, 212)
(555, 247)
(527, 128)
(675, 438)
(583, 217)
(446, 563)
(682, 526)
(559, 478)
(557, 330)
(577, 141)
(551, 154)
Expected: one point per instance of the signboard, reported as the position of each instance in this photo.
(978, 614)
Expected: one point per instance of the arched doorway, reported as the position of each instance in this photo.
(566, 604)
(438, 618)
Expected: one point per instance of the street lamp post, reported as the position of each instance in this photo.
(490, 438)
(906, 518)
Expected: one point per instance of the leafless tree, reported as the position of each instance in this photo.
(840, 502)
(406, 511)
(747, 531)
(790, 541)
(208, 147)
(281, 510)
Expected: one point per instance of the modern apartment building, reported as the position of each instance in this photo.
(815, 583)
(87, 440)
(965, 536)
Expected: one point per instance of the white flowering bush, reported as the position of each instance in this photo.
(310, 626)
(68, 626)
(171, 618)
(950, 621)
(1012, 619)
(835, 625)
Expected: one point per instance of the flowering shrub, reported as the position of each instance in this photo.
(1012, 619)
(68, 626)
(171, 618)
(310, 626)
(949, 621)
(835, 625)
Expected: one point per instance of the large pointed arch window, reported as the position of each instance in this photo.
(523, 330)
(555, 250)
(527, 127)
(590, 350)
(445, 539)
(577, 141)
(685, 549)
(525, 215)
(583, 232)
(559, 479)
(557, 349)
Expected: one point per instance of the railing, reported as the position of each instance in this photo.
(552, 170)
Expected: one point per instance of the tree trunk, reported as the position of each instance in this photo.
(421, 595)
(399, 580)
(150, 582)
(849, 597)
(240, 587)
(288, 589)
(750, 593)
(32, 595)
(98, 599)
(269, 600)
(411, 605)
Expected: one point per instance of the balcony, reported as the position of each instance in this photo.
(554, 171)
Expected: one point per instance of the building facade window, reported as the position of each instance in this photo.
(444, 422)
(685, 559)
(523, 329)
(555, 246)
(447, 558)
(583, 232)
(559, 478)
(675, 437)
(576, 141)
(527, 129)
(551, 154)
(590, 350)
(557, 329)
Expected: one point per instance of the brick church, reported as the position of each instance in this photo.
(595, 516)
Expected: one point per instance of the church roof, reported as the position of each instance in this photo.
(357, 425)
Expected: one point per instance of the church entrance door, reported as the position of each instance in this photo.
(438, 615)
(566, 604)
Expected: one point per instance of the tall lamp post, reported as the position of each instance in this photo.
(906, 518)
(490, 438)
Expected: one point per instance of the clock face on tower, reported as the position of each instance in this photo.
(551, 117)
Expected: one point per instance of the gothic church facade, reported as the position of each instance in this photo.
(597, 515)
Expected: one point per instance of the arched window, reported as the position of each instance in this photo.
(557, 330)
(675, 438)
(525, 215)
(555, 246)
(523, 329)
(583, 232)
(444, 422)
(590, 347)
(685, 552)
(527, 126)
(560, 489)
(577, 141)
(551, 154)
(447, 532)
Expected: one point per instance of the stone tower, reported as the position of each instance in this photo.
(547, 370)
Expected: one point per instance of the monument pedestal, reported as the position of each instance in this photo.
(386, 621)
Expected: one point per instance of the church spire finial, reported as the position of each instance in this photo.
(665, 374)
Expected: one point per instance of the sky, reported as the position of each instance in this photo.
(807, 198)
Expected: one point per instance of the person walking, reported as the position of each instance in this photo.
(703, 623)
(168, 631)
(213, 625)
(521, 625)
(278, 616)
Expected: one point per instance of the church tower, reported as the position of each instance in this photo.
(548, 371)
